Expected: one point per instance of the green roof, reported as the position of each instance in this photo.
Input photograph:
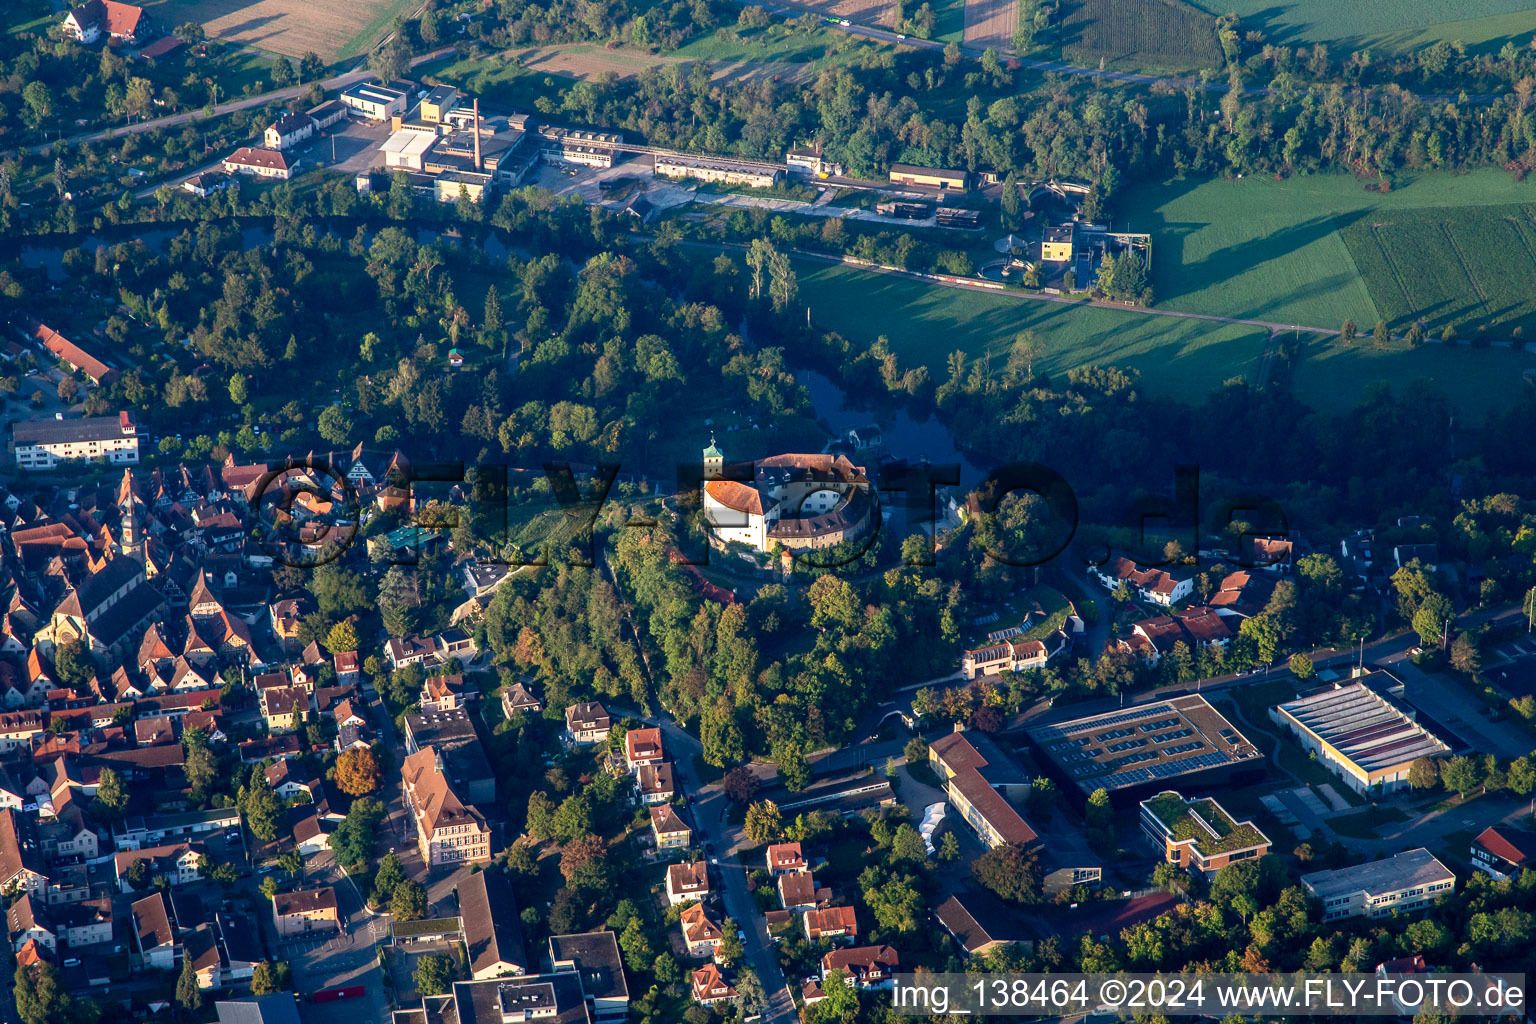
(1204, 821)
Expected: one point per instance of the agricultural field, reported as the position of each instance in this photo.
(289, 27)
(1393, 25)
(1275, 250)
(1140, 33)
(880, 13)
(925, 322)
(1333, 375)
(1466, 267)
(587, 61)
(991, 22)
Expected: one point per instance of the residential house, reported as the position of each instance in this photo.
(1151, 585)
(654, 783)
(303, 911)
(288, 131)
(867, 967)
(687, 882)
(785, 859)
(586, 724)
(21, 868)
(518, 699)
(86, 922)
(262, 163)
(285, 779)
(19, 728)
(701, 935)
(200, 947)
(97, 18)
(1503, 852)
(445, 693)
(154, 938)
(493, 934)
(669, 829)
(178, 862)
(283, 708)
(798, 891)
(29, 920)
(447, 830)
(643, 747)
(709, 986)
(838, 924)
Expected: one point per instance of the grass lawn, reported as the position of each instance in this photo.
(1395, 25)
(375, 29)
(925, 322)
(950, 23)
(28, 16)
(777, 42)
(1334, 375)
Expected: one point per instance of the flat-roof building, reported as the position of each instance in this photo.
(1367, 740)
(377, 101)
(1137, 751)
(1404, 882)
(753, 173)
(930, 177)
(43, 444)
(1199, 834)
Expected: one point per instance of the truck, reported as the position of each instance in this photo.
(331, 995)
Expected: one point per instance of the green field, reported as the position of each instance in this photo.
(1274, 250)
(777, 42)
(1385, 24)
(375, 30)
(1141, 33)
(1468, 266)
(1476, 380)
(925, 322)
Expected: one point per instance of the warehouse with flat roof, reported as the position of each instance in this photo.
(1369, 741)
(1139, 751)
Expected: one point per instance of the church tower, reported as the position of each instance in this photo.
(714, 460)
(129, 506)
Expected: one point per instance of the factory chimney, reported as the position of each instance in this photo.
(477, 134)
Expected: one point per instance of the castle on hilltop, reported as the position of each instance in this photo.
(798, 502)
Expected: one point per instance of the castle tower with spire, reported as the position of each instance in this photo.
(714, 460)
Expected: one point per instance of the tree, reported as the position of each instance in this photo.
(111, 801)
(916, 751)
(1348, 331)
(269, 887)
(335, 426)
(1424, 773)
(264, 813)
(1465, 656)
(342, 637)
(949, 847)
(764, 823)
(239, 390)
(271, 976)
(189, 998)
(389, 875)
(1011, 871)
(408, 902)
(354, 838)
(357, 771)
(41, 1000)
(433, 975)
(1460, 775)
(1301, 666)
(73, 664)
(731, 948)
(740, 785)
(1379, 334)
(908, 845)
(138, 874)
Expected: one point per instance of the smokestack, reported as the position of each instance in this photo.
(477, 134)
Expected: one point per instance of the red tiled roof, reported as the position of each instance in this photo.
(1513, 845)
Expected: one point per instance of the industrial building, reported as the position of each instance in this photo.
(378, 102)
(753, 173)
(1365, 738)
(1138, 751)
(930, 177)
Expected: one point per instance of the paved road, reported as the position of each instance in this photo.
(708, 804)
(348, 958)
(340, 81)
